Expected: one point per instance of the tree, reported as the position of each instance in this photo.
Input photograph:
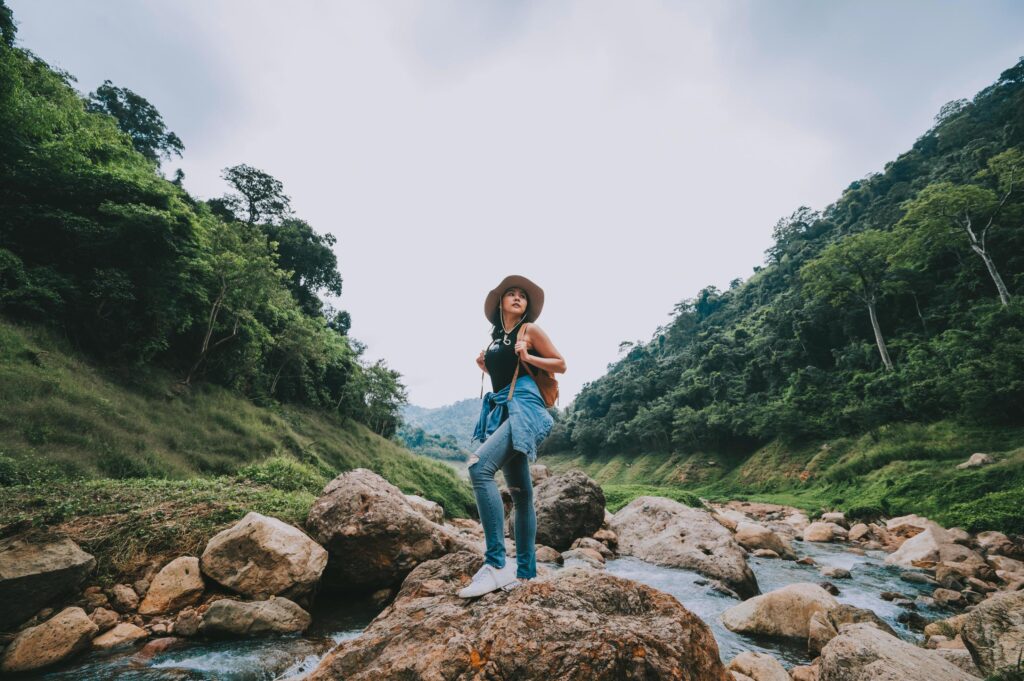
(309, 258)
(259, 198)
(854, 268)
(138, 119)
(8, 29)
(946, 215)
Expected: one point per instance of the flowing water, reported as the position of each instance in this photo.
(281, 658)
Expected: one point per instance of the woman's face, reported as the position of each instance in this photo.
(514, 302)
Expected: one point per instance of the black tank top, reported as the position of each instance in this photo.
(500, 359)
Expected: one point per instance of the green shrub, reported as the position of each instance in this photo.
(284, 474)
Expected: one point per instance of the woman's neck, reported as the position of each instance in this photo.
(510, 320)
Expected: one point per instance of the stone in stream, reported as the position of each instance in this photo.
(58, 638)
(759, 667)
(752, 537)
(862, 652)
(819, 532)
(824, 626)
(994, 631)
(567, 506)
(373, 535)
(261, 556)
(784, 612)
(665, 532)
(124, 634)
(573, 623)
(229, 618)
(178, 584)
(34, 574)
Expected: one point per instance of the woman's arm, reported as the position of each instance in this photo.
(551, 360)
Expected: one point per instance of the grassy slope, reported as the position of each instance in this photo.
(896, 469)
(133, 468)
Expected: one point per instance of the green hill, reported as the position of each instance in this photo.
(85, 448)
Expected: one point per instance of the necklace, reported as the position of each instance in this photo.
(506, 340)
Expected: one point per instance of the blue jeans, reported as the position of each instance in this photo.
(497, 453)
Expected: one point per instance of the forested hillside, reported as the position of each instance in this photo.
(134, 270)
(898, 303)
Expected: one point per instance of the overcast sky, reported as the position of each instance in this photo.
(623, 155)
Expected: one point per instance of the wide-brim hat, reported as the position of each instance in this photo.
(534, 296)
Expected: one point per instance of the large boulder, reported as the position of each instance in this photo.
(37, 573)
(261, 557)
(373, 535)
(573, 623)
(923, 547)
(178, 584)
(825, 626)
(665, 532)
(753, 536)
(862, 652)
(229, 618)
(568, 506)
(124, 634)
(785, 612)
(58, 638)
(976, 460)
(994, 631)
(820, 532)
(759, 667)
(431, 510)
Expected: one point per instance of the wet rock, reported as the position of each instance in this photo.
(752, 537)
(994, 631)
(593, 544)
(63, 635)
(918, 578)
(584, 557)
(187, 623)
(784, 612)
(124, 634)
(923, 546)
(859, 531)
(862, 652)
(262, 556)
(431, 510)
(759, 667)
(764, 553)
(123, 598)
(568, 506)
(834, 572)
(665, 532)
(829, 587)
(573, 623)
(228, 618)
(824, 626)
(178, 584)
(372, 535)
(103, 619)
(37, 573)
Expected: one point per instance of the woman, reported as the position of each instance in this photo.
(510, 430)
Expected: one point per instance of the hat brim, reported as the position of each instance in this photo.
(534, 295)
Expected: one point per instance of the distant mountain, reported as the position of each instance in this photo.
(456, 420)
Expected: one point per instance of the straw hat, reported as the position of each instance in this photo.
(534, 296)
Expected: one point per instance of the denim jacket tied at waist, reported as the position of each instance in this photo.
(531, 421)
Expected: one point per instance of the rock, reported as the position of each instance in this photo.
(994, 631)
(583, 557)
(140, 587)
(737, 676)
(829, 587)
(907, 526)
(103, 619)
(798, 521)
(961, 658)
(950, 552)
(806, 560)
(992, 542)
(959, 536)
(607, 537)
(759, 667)
(123, 598)
(58, 638)
(431, 510)
(261, 556)
(819, 632)
(820, 532)
(834, 517)
(976, 460)
(764, 553)
(372, 535)
(923, 546)
(593, 544)
(890, 595)
(918, 578)
(1004, 564)
(862, 652)
(278, 615)
(38, 573)
(178, 584)
(94, 599)
(804, 673)
(568, 506)
(573, 623)
(947, 597)
(752, 536)
(546, 554)
(785, 612)
(538, 472)
(123, 634)
(834, 572)
(665, 532)
(859, 531)
(187, 623)
(824, 626)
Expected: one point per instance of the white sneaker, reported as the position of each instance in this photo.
(488, 578)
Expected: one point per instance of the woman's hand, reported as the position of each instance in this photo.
(480, 361)
(521, 349)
